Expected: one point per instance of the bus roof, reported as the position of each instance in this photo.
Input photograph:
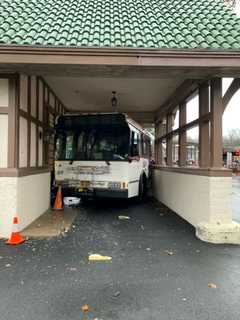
(126, 116)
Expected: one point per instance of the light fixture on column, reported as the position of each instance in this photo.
(114, 101)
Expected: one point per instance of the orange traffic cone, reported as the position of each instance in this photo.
(58, 205)
(16, 237)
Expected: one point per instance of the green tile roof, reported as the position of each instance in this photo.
(119, 23)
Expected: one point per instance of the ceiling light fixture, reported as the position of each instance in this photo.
(114, 101)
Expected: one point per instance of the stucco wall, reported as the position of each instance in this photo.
(3, 140)
(33, 197)
(8, 203)
(4, 91)
(23, 142)
(28, 197)
(197, 199)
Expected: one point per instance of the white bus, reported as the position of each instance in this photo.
(102, 155)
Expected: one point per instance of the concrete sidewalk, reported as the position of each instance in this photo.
(51, 224)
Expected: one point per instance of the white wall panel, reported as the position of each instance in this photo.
(4, 92)
(33, 145)
(23, 148)
(3, 140)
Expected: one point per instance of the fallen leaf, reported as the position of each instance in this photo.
(170, 253)
(116, 294)
(212, 285)
(85, 308)
(123, 218)
(73, 269)
(98, 257)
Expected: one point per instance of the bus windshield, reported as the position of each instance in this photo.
(106, 143)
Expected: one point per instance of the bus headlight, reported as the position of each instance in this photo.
(114, 185)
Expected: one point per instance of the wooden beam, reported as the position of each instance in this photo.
(169, 140)
(233, 88)
(37, 117)
(187, 126)
(4, 110)
(12, 124)
(216, 123)
(182, 135)
(158, 144)
(204, 129)
(29, 133)
(167, 58)
(186, 89)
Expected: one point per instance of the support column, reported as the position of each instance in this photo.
(182, 135)
(216, 123)
(169, 140)
(204, 129)
(220, 228)
(158, 143)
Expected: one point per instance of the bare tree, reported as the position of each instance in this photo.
(232, 139)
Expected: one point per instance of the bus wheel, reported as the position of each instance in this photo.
(142, 190)
(84, 200)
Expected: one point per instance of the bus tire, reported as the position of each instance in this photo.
(142, 189)
(84, 200)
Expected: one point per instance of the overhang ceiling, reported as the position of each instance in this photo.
(94, 93)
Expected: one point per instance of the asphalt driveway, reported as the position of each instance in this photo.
(159, 270)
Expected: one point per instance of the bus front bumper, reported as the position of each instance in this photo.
(96, 192)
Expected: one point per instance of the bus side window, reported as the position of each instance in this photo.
(70, 147)
(60, 147)
(135, 144)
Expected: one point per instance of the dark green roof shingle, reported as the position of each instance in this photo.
(119, 23)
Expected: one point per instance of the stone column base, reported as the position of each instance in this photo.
(219, 233)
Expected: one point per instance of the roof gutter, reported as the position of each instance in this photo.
(38, 55)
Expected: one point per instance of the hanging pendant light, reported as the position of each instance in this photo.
(114, 101)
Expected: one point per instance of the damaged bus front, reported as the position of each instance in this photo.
(101, 155)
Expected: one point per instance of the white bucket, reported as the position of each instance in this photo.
(71, 201)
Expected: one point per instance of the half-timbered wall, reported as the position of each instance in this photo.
(28, 108)
(38, 108)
